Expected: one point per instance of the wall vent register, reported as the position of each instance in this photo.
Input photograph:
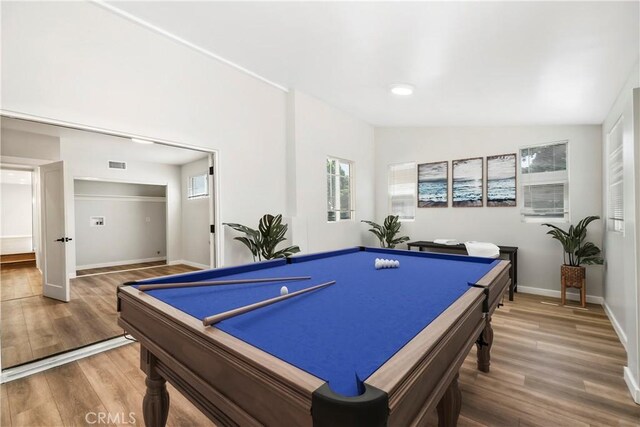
(117, 165)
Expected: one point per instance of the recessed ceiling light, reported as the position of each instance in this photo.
(141, 141)
(401, 89)
(11, 174)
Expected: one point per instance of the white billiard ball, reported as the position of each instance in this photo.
(284, 290)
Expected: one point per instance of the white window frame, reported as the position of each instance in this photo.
(550, 178)
(191, 196)
(415, 190)
(614, 225)
(352, 191)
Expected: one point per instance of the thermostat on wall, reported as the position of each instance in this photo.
(96, 221)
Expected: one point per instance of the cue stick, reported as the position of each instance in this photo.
(219, 282)
(210, 320)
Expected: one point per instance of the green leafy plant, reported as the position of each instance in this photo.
(263, 242)
(387, 232)
(576, 251)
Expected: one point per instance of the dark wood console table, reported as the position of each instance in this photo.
(509, 252)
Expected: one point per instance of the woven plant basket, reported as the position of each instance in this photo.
(572, 276)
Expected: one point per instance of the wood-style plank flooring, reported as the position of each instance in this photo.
(34, 326)
(551, 366)
(19, 282)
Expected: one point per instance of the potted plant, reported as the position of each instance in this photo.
(263, 241)
(387, 232)
(577, 253)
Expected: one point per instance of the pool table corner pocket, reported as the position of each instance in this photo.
(331, 409)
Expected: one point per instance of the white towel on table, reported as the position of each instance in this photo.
(482, 249)
(446, 241)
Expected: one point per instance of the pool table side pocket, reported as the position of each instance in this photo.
(417, 377)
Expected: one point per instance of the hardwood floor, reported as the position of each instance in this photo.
(34, 326)
(119, 268)
(551, 366)
(19, 282)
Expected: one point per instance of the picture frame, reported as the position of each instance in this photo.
(433, 185)
(501, 184)
(467, 182)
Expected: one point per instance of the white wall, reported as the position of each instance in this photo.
(539, 257)
(15, 218)
(317, 131)
(135, 223)
(621, 275)
(195, 217)
(126, 237)
(105, 71)
(15, 212)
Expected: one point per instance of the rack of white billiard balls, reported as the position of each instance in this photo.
(386, 263)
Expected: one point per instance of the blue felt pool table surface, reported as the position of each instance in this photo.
(342, 333)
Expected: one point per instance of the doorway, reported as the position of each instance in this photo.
(17, 218)
(125, 210)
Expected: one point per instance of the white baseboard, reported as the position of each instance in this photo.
(634, 388)
(616, 325)
(573, 296)
(122, 262)
(190, 264)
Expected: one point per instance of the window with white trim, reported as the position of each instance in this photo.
(402, 190)
(198, 186)
(615, 179)
(544, 176)
(340, 206)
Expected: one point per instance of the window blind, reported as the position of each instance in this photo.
(402, 190)
(615, 179)
(545, 182)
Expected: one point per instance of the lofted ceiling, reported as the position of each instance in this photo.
(472, 63)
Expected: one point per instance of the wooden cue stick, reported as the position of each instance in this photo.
(210, 320)
(218, 282)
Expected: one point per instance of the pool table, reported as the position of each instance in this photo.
(379, 347)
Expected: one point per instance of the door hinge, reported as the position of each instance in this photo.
(213, 228)
(210, 170)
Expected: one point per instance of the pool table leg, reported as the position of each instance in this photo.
(449, 405)
(483, 344)
(155, 405)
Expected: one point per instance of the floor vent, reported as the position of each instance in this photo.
(117, 165)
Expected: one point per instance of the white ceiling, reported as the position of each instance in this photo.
(473, 63)
(108, 146)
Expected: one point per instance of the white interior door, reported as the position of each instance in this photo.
(55, 241)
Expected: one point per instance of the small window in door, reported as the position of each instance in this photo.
(198, 186)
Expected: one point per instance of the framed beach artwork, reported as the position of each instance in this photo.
(467, 188)
(433, 185)
(501, 180)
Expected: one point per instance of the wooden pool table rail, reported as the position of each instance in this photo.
(234, 383)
